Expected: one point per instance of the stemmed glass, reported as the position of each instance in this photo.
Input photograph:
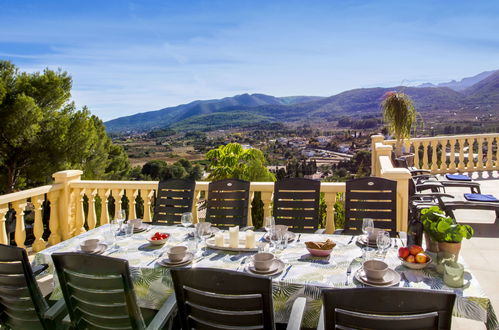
(269, 223)
(366, 224)
(186, 219)
(383, 240)
(113, 228)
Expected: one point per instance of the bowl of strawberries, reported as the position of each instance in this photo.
(413, 257)
(158, 238)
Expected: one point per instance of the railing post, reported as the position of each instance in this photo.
(374, 157)
(479, 164)
(250, 207)
(460, 165)
(20, 234)
(92, 217)
(452, 155)
(66, 219)
(488, 165)
(195, 200)
(267, 201)
(132, 213)
(38, 244)
(55, 236)
(79, 212)
(104, 212)
(330, 199)
(3, 231)
(117, 195)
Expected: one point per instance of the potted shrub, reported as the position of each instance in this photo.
(400, 115)
(449, 234)
(429, 217)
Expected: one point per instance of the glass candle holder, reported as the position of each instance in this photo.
(442, 258)
(453, 274)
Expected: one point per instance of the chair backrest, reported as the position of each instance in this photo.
(227, 203)
(210, 298)
(98, 291)
(296, 204)
(174, 197)
(374, 198)
(21, 302)
(387, 308)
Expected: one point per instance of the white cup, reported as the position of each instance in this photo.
(177, 253)
(375, 269)
(137, 223)
(89, 245)
(263, 260)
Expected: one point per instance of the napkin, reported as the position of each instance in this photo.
(480, 198)
(413, 277)
(458, 177)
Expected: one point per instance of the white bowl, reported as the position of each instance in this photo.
(157, 242)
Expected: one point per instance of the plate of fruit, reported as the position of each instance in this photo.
(158, 238)
(413, 257)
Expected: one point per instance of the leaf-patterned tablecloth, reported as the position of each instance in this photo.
(306, 277)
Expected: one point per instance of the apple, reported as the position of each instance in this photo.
(415, 249)
(421, 258)
(403, 252)
(410, 258)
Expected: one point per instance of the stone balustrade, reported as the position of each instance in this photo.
(75, 204)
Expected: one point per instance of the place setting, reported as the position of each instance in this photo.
(176, 256)
(92, 246)
(373, 237)
(376, 273)
(264, 263)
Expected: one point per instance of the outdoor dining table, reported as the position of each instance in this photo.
(303, 275)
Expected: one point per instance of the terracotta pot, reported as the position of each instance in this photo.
(431, 245)
(453, 248)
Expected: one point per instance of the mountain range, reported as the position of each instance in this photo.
(477, 92)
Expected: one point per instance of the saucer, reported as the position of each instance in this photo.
(100, 249)
(391, 278)
(168, 263)
(291, 236)
(210, 233)
(142, 228)
(276, 268)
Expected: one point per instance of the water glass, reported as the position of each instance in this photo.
(269, 223)
(128, 229)
(113, 230)
(367, 223)
(383, 240)
(186, 219)
(273, 237)
(368, 253)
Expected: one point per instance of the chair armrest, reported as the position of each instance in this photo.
(430, 195)
(321, 325)
(38, 269)
(297, 312)
(166, 313)
(56, 311)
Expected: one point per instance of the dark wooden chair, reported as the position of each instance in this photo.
(99, 294)
(374, 198)
(22, 305)
(296, 204)
(221, 299)
(227, 203)
(174, 197)
(386, 308)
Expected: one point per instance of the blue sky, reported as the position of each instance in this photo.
(133, 56)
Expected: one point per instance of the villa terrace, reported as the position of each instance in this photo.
(70, 218)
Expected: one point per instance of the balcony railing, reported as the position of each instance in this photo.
(69, 195)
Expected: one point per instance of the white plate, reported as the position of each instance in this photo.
(276, 268)
(241, 247)
(167, 262)
(395, 278)
(100, 249)
(364, 242)
(142, 228)
(386, 279)
(211, 232)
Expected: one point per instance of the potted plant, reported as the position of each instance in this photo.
(429, 218)
(400, 115)
(448, 233)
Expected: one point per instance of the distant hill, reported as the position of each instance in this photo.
(249, 110)
(164, 117)
(463, 83)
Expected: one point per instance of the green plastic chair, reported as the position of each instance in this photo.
(99, 294)
(22, 305)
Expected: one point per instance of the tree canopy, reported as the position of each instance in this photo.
(42, 132)
(232, 161)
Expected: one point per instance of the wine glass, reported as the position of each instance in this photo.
(383, 240)
(269, 223)
(186, 219)
(367, 225)
(113, 228)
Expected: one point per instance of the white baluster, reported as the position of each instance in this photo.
(489, 153)
(104, 213)
(92, 216)
(132, 213)
(117, 195)
(452, 156)
(20, 235)
(425, 154)
(3, 230)
(79, 213)
(330, 199)
(434, 160)
(416, 154)
(460, 166)
(471, 158)
(55, 236)
(443, 157)
(479, 164)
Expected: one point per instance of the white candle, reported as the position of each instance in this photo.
(219, 239)
(250, 239)
(234, 237)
